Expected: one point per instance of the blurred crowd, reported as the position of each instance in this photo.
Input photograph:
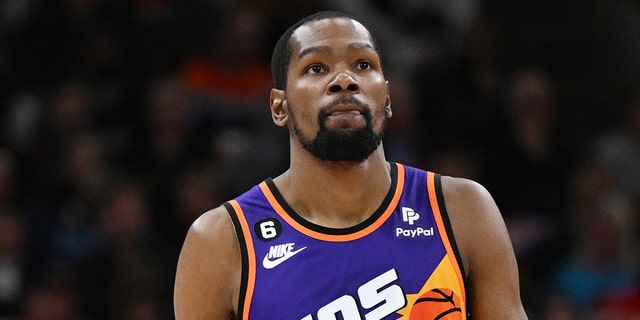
(124, 120)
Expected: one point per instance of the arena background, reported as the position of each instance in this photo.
(122, 121)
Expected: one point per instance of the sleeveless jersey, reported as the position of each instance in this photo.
(401, 263)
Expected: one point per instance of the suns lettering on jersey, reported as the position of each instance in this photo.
(380, 296)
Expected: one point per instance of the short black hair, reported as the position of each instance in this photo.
(282, 51)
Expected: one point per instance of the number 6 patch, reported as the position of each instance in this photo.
(268, 229)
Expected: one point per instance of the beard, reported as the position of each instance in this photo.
(348, 144)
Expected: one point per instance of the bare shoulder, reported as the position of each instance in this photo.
(470, 207)
(485, 248)
(213, 224)
(208, 273)
(467, 200)
(461, 192)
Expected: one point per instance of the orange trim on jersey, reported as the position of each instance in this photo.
(251, 257)
(338, 238)
(433, 198)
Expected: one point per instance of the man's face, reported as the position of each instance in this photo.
(336, 92)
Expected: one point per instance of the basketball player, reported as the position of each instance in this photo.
(344, 233)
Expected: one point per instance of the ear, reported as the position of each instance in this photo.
(387, 104)
(278, 107)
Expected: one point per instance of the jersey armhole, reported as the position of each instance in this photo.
(244, 256)
(436, 179)
(447, 226)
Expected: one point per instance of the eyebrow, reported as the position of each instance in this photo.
(326, 49)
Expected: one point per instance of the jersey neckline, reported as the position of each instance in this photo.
(338, 234)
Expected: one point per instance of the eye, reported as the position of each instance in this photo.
(315, 69)
(363, 65)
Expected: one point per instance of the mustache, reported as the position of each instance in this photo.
(366, 110)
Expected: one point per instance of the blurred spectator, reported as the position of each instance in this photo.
(456, 161)
(228, 84)
(620, 305)
(84, 177)
(24, 112)
(8, 172)
(232, 66)
(66, 111)
(129, 266)
(526, 172)
(603, 262)
(460, 90)
(526, 147)
(51, 301)
(235, 150)
(166, 122)
(70, 110)
(194, 191)
(13, 262)
(618, 150)
(399, 133)
(51, 294)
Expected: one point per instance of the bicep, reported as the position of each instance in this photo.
(494, 291)
(205, 276)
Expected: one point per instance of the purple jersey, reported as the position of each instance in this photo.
(401, 263)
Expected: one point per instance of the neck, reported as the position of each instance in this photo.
(335, 194)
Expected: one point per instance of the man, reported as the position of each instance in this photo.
(343, 233)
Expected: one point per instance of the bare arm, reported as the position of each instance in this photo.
(486, 251)
(208, 272)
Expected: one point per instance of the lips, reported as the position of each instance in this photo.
(352, 107)
(341, 112)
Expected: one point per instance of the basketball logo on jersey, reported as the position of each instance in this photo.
(438, 303)
(441, 297)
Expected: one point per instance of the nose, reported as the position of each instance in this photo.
(343, 82)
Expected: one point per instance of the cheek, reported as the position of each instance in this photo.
(379, 89)
(301, 119)
(380, 101)
(380, 116)
(379, 120)
(300, 96)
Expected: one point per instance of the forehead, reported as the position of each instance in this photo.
(330, 32)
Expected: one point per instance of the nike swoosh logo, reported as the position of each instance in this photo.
(270, 264)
